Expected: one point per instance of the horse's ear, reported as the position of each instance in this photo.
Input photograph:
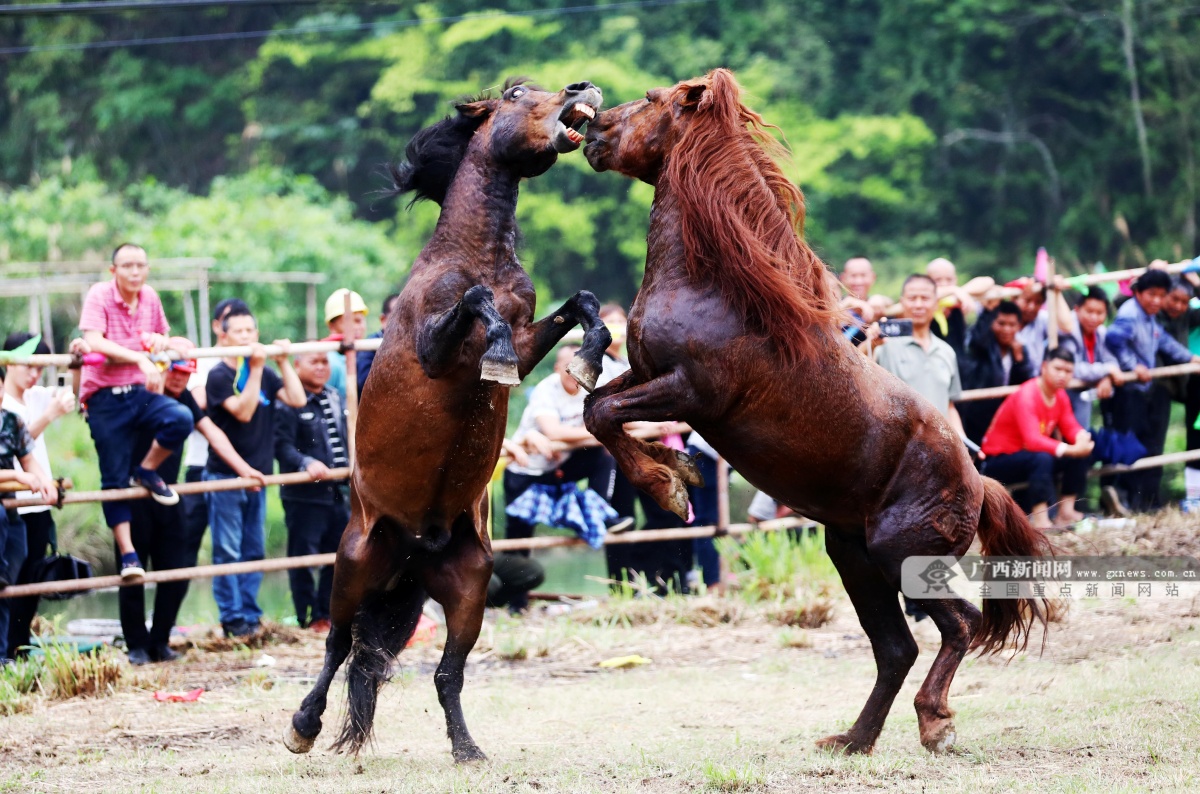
(478, 110)
(695, 97)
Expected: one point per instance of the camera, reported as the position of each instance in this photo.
(894, 328)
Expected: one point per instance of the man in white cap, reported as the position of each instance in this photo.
(335, 319)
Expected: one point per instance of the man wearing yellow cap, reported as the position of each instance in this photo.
(335, 319)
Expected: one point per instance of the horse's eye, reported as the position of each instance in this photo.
(516, 93)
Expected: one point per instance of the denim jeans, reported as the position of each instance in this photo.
(238, 522)
(704, 505)
(116, 422)
(12, 553)
(1039, 470)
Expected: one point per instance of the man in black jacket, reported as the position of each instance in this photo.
(994, 358)
(313, 439)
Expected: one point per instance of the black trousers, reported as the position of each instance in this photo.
(593, 464)
(1147, 413)
(664, 563)
(313, 528)
(1039, 470)
(40, 531)
(1191, 410)
(161, 540)
(513, 576)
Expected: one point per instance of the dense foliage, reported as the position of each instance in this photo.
(971, 129)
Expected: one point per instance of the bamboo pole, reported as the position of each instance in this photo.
(296, 349)
(209, 486)
(1051, 305)
(1126, 377)
(722, 496)
(319, 560)
(351, 356)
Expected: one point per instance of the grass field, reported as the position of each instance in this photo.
(1111, 705)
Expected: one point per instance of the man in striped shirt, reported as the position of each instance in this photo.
(312, 438)
(124, 319)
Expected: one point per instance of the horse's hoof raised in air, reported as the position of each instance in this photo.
(502, 372)
(686, 468)
(585, 373)
(297, 743)
(843, 743)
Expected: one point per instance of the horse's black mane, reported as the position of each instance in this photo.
(434, 154)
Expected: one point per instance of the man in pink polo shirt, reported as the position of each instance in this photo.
(124, 319)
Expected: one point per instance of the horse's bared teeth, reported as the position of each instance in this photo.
(586, 110)
(574, 136)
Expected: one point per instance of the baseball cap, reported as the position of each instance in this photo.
(183, 346)
(335, 306)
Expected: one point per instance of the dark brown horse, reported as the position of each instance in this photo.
(434, 410)
(735, 331)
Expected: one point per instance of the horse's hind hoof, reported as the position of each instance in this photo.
(687, 469)
(939, 738)
(585, 373)
(298, 744)
(844, 744)
(503, 372)
(469, 755)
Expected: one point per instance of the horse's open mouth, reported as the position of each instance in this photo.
(569, 132)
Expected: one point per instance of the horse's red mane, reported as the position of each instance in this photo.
(743, 220)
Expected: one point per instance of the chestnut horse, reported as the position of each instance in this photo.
(736, 332)
(434, 410)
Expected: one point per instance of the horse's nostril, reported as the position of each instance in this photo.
(577, 87)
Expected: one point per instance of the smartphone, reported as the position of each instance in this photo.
(64, 380)
(893, 328)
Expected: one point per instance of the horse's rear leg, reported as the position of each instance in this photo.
(440, 340)
(957, 620)
(878, 608)
(384, 624)
(458, 581)
(657, 470)
(358, 565)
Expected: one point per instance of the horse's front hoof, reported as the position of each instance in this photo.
(471, 754)
(503, 372)
(298, 744)
(677, 499)
(844, 744)
(583, 372)
(688, 470)
(938, 737)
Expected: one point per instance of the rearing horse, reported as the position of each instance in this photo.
(434, 410)
(735, 331)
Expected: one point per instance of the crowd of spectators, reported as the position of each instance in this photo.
(241, 415)
(1040, 438)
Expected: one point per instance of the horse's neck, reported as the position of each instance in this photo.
(664, 242)
(478, 222)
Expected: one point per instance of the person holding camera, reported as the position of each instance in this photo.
(1021, 444)
(919, 358)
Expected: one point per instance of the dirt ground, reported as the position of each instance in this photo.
(1111, 705)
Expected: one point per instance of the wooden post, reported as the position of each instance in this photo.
(351, 376)
(1051, 306)
(189, 315)
(722, 496)
(205, 311)
(310, 312)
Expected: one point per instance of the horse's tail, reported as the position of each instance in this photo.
(382, 627)
(1005, 531)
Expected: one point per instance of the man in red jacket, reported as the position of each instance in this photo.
(1022, 446)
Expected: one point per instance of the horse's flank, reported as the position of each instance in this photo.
(742, 222)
